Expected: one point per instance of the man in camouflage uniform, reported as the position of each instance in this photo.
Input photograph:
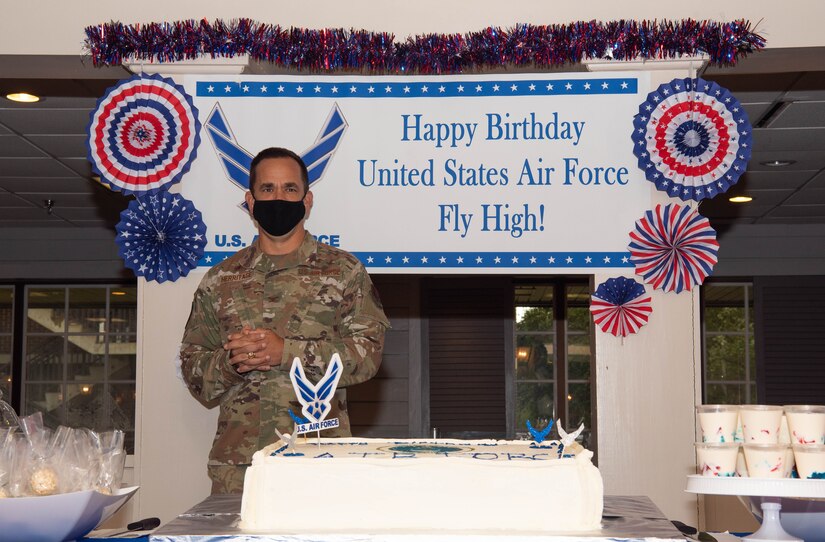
(283, 297)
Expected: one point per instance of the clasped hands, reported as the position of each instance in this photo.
(254, 349)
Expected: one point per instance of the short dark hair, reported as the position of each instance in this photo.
(278, 152)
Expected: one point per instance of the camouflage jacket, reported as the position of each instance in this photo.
(319, 299)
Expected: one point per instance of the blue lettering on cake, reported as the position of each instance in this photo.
(403, 455)
(426, 448)
(486, 456)
(325, 455)
(534, 457)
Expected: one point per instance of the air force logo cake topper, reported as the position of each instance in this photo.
(315, 398)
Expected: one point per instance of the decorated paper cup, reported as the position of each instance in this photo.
(760, 423)
(806, 423)
(718, 422)
(789, 462)
(766, 460)
(717, 458)
(810, 460)
(741, 465)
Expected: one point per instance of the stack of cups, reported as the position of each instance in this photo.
(765, 455)
(771, 442)
(717, 452)
(806, 424)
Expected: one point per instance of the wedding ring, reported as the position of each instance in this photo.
(250, 355)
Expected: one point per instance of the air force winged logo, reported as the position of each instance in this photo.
(315, 398)
(236, 160)
(539, 435)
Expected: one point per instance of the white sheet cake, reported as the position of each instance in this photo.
(421, 486)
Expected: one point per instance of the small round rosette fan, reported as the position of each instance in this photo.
(692, 139)
(620, 306)
(161, 236)
(143, 135)
(673, 248)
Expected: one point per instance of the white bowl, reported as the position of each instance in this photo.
(58, 518)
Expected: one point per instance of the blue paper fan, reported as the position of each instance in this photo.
(161, 236)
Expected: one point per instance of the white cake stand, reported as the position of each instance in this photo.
(803, 497)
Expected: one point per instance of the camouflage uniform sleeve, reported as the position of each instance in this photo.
(358, 337)
(204, 362)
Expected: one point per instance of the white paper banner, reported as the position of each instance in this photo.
(528, 173)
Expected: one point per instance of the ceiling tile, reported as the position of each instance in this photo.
(755, 87)
(62, 146)
(811, 160)
(80, 166)
(809, 87)
(774, 179)
(818, 181)
(792, 220)
(806, 196)
(14, 146)
(11, 200)
(54, 102)
(798, 211)
(726, 209)
(88, 199)
(54, 222)
(33, 167)
(82, 213)
(46, 121)
(12, 214)
(35, 185)
(102, 224)
(756, 111)
(763, 197)
(800, 115)
(788, 139)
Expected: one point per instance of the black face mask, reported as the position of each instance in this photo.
(278, 217)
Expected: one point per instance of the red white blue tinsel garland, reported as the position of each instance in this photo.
(620, 307)
(161, 236)
(692, 139)
(143, 134)
(335, 48)
(673, 248)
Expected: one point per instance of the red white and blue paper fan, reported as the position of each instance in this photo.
(673, 248)
(161, 236)
(143, 135)
(692, 138)
(620, 306)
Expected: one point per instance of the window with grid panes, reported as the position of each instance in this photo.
(79, 352)
(6, 335)
(728, 344)
(553, 356)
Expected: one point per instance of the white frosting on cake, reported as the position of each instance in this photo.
(419, 486)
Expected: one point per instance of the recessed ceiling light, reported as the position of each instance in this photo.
(778, 163)
(23, 97)
(740, 199)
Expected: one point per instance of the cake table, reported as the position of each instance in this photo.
(216, 519)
